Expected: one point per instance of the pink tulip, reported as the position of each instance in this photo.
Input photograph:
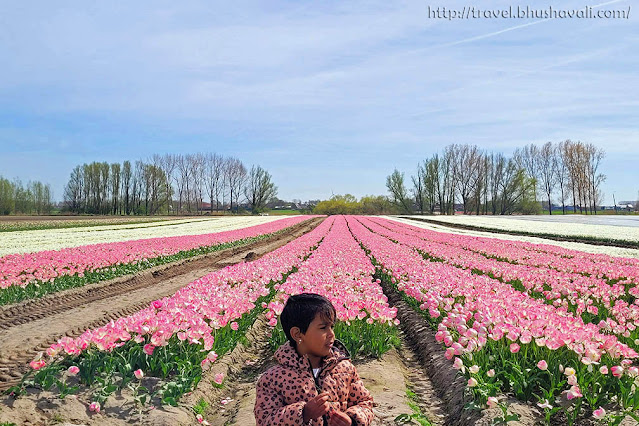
(514, 348)
(450, 353)
(603, 369)
(235, 326)
(73, 370)
(492, 402)
(472, 382)
(148, 349)
(94, 407)
(545, 404)
(617, 371)
(138, 374)
(490, 373)
(542, 365)
(599, 413)
(37, 364)
(201, 420)
(219, 378)
(574, 392)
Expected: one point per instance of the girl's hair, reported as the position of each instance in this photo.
(301, 309)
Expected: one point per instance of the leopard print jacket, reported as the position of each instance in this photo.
(283, 390)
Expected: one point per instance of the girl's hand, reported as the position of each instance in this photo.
(338, 418)
(316, 407)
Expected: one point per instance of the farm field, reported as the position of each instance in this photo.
(54, 239)
(26, 223)
(435, 321)
(579, 246)
(608, 228)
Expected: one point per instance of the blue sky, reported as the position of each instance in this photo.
(329, 96)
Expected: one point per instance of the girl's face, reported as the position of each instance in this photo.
(319, 338)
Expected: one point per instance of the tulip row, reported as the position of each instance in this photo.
(504, 340)
(36, 274)
(177, 337)
(341, 271)
(591, 298)
(612, 269)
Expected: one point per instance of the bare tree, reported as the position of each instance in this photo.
(547, 169)
(127, 178)
(197, 165)
(214, 166)
(236, 175)
(168, 164)
(562, 175)
(395, 185)
(183, 180)
(418, 188)
(259, 188)
(74, 190)
(526, 158)
(432, 183)
(114, 187)
(595, 178)
(448, 180)
(466, 169)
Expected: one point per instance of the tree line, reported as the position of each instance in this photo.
(168, 184)
(33, 198)
(482, 182)
(348, 204)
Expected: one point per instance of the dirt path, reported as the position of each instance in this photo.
(30, 327)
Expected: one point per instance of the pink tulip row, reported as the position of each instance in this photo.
(563, 289)
(475, 308)
(341, 271)
(207, 304)
(22, 269)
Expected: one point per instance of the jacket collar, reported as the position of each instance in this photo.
(287, 355)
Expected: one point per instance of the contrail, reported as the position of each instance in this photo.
(467, 40)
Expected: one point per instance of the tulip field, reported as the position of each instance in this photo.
(553, 327)
(27, 275)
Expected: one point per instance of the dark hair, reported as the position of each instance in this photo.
(301, 309)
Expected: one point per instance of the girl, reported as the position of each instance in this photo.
(315, 382)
